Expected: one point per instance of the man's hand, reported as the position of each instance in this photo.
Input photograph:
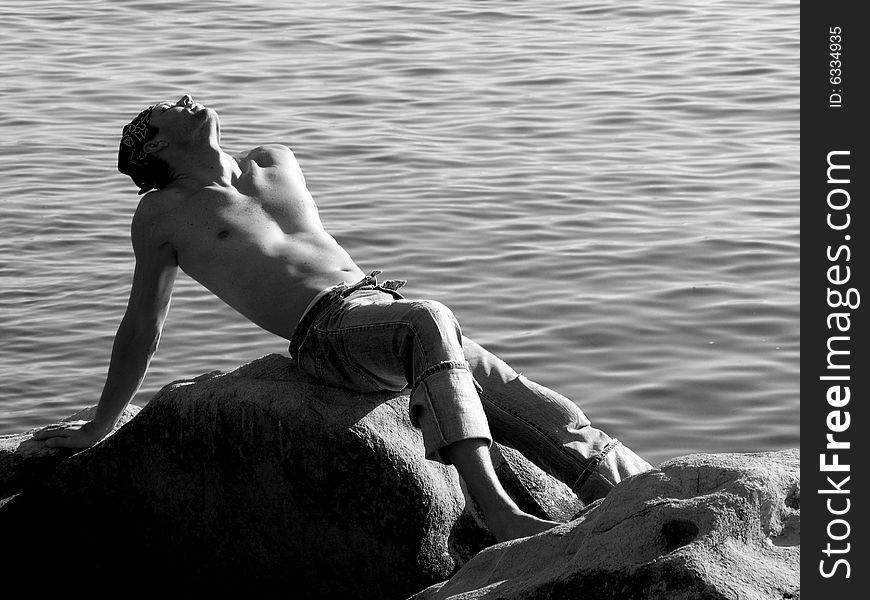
(70, 434)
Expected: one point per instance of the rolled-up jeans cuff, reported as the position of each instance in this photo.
(446, 408)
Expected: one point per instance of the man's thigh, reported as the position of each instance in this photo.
(361, 346)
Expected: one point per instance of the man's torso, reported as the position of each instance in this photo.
(259, 244)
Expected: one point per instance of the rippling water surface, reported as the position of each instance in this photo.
(606, 193)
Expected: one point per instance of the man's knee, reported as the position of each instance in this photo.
(432, 316)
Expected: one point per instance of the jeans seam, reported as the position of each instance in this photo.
(596, 460)
(419, 343)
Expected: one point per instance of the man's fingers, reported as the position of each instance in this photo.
(51, 436)
(70, 434)
(65, 442)
(44, 434)
(58, 430)
(54, 442)
(48, 431)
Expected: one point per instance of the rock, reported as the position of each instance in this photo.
(24, 460)
(262, 479)
(703, 526)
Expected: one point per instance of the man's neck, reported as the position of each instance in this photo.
(206, 166)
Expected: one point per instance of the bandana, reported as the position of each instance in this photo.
(131, 153)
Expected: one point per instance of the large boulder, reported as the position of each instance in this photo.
(256, 480)
(700, 527)
(24, 461)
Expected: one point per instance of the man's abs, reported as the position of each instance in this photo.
(272, 283)
(264, 253)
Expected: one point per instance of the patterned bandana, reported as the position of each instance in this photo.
(131, 154)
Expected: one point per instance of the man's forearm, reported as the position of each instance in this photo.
(131, 354)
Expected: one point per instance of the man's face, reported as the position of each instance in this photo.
(184, 121)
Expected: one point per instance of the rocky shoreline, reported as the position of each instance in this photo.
(262, 479)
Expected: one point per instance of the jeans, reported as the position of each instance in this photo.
(367, 337)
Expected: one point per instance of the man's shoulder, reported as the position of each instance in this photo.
(268, 155)
(156, 202)
(153, 208)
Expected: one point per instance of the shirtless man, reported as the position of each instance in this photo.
(246, 228)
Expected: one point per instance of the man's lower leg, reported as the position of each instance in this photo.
(503, 517)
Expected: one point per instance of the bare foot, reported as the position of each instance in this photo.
(510, 525)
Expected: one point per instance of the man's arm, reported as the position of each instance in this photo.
(135, 342)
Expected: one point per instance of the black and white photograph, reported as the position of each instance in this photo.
(468, 299)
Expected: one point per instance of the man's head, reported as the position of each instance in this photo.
(141, 153)
(132, 158)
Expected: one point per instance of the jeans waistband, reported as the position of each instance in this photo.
(332, 295)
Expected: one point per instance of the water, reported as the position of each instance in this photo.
(605, 193)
